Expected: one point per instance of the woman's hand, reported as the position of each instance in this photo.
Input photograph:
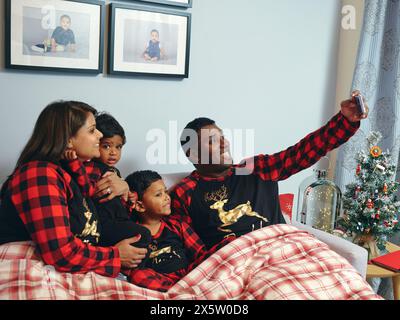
(112, 185)
(130, 256)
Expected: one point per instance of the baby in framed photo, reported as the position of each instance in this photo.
(148, 41)
(62, 39)
(154, 50)
(55, 35)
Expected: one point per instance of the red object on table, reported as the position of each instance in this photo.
(389, 261)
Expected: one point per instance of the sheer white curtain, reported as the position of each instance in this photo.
(377, 76)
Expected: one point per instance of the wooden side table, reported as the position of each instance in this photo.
(374, 271)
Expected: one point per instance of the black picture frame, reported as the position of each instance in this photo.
(178, 3)
(131, 28)
(24, 53)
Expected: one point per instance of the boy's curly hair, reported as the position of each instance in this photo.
(139, 181)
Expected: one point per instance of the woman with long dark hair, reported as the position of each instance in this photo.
(41, 202)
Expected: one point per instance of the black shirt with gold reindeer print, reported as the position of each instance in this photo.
(232, 206)
(247, 197)
(176, 248)
(167, 253)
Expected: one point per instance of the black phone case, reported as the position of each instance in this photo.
(360, 104)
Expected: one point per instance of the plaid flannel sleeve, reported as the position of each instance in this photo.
(93, 171)
(309, 150)
(86, 176)
(39, 194)
(181, 199)
(195, 247)
(151, 279)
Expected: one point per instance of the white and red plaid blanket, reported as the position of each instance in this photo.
(277, 262)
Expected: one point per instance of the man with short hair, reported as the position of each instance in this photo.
(220, 199)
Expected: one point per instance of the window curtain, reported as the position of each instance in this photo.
(377, 76)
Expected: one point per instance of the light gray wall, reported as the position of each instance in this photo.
(265, 65)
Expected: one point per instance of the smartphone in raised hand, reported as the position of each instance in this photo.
(360, 104)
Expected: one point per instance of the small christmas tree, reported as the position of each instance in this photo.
(371, 209)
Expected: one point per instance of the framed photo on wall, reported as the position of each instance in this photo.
(179, 3)
(55, 35)
(149, 41)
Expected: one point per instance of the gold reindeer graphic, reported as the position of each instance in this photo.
(155, 254)
(90, 228)
(232, 216)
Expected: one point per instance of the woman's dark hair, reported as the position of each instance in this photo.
(109, 126)
(57, 123)
(139, 181)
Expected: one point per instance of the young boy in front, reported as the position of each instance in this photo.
(175, 249)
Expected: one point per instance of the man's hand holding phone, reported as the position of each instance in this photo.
(355, 109)
(359, 99)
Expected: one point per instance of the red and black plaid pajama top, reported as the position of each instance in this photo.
(86, 175)
(246, 200)
(42, 203)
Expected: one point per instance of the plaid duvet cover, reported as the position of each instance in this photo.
(279, 262)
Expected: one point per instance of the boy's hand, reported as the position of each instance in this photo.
(69, 155)
(350, 110)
